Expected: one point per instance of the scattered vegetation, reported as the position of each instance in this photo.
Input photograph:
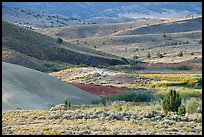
(114, 119)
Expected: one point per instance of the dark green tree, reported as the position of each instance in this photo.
(135, 57)
(67, 103)
(180, 54)
(171, 102)
(59, 40)
(148, 55)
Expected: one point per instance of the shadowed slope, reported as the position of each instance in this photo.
(171, 27)
(45, 48)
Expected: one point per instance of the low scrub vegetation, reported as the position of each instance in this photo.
(115, 119)
(139, 96)
(184, 92)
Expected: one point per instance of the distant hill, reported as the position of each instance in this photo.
(136, 10)
(25, 88)
(130, 28)
(45, 48)
(35, 19)
(95, 30)
(39, 19)
(193, 24)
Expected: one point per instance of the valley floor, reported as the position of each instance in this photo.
(100, 120)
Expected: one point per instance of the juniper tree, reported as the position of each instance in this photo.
(171, 102)
(59, 40)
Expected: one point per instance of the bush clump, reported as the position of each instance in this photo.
(67, 104)
(135, 57)
(171, 102)
(59, 40)
(182, 110)
(132, 97)
(148, 55)
(180, 54)
(192, 106)
(159, 55)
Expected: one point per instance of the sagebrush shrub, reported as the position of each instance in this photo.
(182, 110)
(192, 106)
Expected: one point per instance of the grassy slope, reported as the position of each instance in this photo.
(25, 88)
(96, 30)
(129, 45)
(177, 26)
(132, 36)
(45, 48)
(100, 30)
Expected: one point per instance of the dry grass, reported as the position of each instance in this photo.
(131, 120)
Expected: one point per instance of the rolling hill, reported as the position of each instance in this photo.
(192, 24)
(25, 88)
(128, 28)
(35, 19)
(132, 10)
(45, 48)
(93, 30)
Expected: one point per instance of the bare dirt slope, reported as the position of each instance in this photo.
(25, 88)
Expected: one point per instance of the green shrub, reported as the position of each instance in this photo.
(199, 82)
(139, 96)
(200, 42)
(67, 103)
(59, 40)
(171, 102)
(164, 35)
(148, 55)
(184, 92)
(52, 133)
(116, 107)
(182, 110)
(159, 55)
(189, 92)
(183, 67)
(135, 57)
(192, 106)
(180, 54)
(104, 101)
(95, 102)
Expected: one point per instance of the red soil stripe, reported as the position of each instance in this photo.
(99, 90)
